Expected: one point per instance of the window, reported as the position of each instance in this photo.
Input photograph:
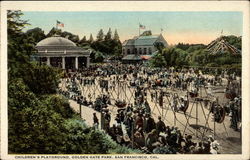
(135, 50)
(128, 51)
(145, 51)
(149, 50)
(140, 51)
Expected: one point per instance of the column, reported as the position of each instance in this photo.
(76, 63)
(87, 65)
(48, 61)
(63, 62)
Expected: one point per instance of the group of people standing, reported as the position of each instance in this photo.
(135, 125)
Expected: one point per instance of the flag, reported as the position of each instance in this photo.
(59, 24)
(142, 26)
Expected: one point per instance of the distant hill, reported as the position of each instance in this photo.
(225, 44)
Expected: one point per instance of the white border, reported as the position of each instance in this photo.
(241, 6)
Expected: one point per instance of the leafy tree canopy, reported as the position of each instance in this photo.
(39, 121)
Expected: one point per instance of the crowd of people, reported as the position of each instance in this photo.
(135, 127)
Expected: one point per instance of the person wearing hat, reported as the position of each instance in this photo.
(96, 121)
(214, 146)
(139, 121)
(160, 125)
(139, 139)
(189, 143)
(147, 107)
(129, 122)
(199, 148)
(234, 114)
(107, 118)
(151, 138)
(149, 123)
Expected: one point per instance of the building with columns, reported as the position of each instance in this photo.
(61, 52)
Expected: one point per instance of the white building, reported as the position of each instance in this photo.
(61, 52)
(142, 45)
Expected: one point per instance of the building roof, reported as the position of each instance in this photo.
(220, 46)
(55, 41)
(58, 46)
(145, 40)
(142, 40)
(129, 42)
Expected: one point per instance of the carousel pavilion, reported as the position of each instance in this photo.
(61, 52)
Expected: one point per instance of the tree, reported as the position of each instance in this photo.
(91, 39)
(54, 31)
(159, 46)
(117, 52)
(83, 40)
(99, 57)
(108, 36)
(15, 24)
(75, 39)
(37, 34)
(70, 36)
(100, 35)
(116, 36)
(19, 46)
(234, 40)
(42, 79)
(40, 122)
(175, 56)
(158, 61)
(33, 127)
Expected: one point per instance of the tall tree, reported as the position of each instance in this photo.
(108, 36)
(15, 24)
(91, 39)
(83, 41)
(100, 35)
(116, 36)
(19, 48)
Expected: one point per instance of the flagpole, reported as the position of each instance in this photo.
(139, 30)
(56, 25)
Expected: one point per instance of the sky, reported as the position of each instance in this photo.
(178, 27)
